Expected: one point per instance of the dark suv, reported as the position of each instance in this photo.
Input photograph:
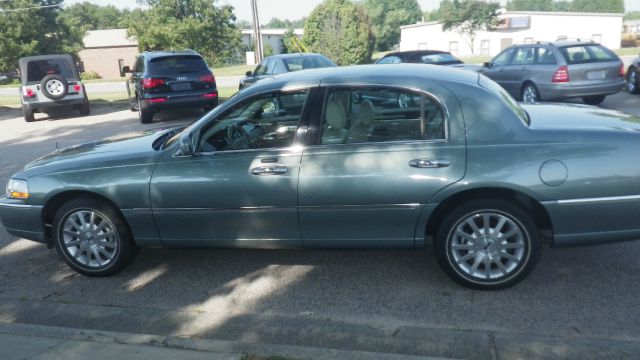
(557, 70)
(170, 79)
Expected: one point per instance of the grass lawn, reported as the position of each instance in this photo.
(235, 70)
(628, 51)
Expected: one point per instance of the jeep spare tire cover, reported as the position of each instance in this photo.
(54, 86)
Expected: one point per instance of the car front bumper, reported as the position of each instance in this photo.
(571, 90)
(21, 219)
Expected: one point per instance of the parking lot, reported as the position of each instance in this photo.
(578, 302)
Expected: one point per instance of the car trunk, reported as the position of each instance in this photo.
(591, 64)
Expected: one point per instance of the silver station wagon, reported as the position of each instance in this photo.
(405, 156)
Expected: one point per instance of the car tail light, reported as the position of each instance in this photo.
(77, 88)
(209, 78)
(561, 75)
(622, 70)
(211, 95)
(149, 83)
(28, 92)
(157, 100)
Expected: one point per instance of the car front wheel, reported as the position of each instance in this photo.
(487, 244)
(92, 237)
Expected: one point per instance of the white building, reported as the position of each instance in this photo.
(516, 27)
(272, 37)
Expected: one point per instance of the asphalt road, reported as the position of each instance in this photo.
(394, 301)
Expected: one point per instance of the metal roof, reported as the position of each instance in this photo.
(108, 38)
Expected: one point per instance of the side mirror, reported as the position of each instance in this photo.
(186, 145)
(126, 69)
(249, 73)
(487, 64)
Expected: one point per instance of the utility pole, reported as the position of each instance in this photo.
(257, 33)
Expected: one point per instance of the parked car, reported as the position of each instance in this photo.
(355, 157)
(558, 70)
(48, 82)
(6, 78)
(280, 64)
(633, 76)
(430, 57)
(163, 80)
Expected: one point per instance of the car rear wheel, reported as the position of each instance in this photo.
(144, 115)
(487, 244)
(92, 238)
(85, 109)
(28, 113)
(594, 100)
(530, 93)
(632, 80)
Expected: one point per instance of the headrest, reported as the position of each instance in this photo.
(335, 114)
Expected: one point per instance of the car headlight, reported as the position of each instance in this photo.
(17, 189)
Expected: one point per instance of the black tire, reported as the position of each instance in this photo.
(594, 100)
(459, 259)
(28, 114)
(144, 115)
(85, 108)
(60, 83)
(530, 93)
(633, 80)
(109, 228)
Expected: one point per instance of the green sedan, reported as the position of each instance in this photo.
(406, 156)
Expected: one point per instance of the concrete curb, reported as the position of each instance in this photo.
(222, 347)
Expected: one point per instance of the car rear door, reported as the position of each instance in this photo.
(380, 153)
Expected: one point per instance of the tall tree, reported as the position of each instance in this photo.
(276, 23)
(467, 17)
(564, 5)
(94, 17)
(27, 28)
(436, 15)
(340, 29)
(530, 5)
(193, 24)
(604, 6)
(387, 16)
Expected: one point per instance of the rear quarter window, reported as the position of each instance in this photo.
(583, 54)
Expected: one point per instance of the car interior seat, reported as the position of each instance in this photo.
(361, 128)
(334, 131)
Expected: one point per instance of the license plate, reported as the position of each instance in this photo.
(596, 75)
(181, 86)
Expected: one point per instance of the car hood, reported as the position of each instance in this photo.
(582, 117)
(107, 152)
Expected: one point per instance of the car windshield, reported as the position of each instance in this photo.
(177, 64)
(439, 58)
(37, 70)
(582, 54)
(307, 62)
(502, 94)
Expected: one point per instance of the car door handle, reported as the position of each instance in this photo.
(269, 170)
(428, 164)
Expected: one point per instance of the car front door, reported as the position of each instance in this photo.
(240, 187)
(380, 155)
(498, 68)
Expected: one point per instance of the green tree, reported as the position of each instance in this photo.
(276, 23)
(89, 16)
(436, 15)
(632, 15)
(195, 24)
(288, 46)
(530, 5)
(561, 5)
(34, 31)
(340, 30)
(604, 6)
(467, 17)
(387, 16)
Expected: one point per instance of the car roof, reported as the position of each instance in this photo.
(27, 59)
(409, 75)
(293, 55)
(416, 52)
(159, 54)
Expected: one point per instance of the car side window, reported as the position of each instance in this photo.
(545, 56)
(279, 68)
(503, 58)
(261, 69)
(271, 65)
(139, 65)
(261, 122)
(389, 60)
(368, 115)
(523, 56)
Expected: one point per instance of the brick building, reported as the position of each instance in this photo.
(107, 51)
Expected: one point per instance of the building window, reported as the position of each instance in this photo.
(453, 47)
(422, 46)
(485, 47)
(528, 40)
(596, 38)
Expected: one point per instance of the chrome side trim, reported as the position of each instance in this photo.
(384, 206)
(600, 199)
(20, 206)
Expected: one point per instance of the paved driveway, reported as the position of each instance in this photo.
(577, 302)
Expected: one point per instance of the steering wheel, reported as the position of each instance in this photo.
(237, 137)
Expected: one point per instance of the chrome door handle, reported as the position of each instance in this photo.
(269, 170)
(428, 164)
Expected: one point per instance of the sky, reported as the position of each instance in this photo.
(289, 9)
